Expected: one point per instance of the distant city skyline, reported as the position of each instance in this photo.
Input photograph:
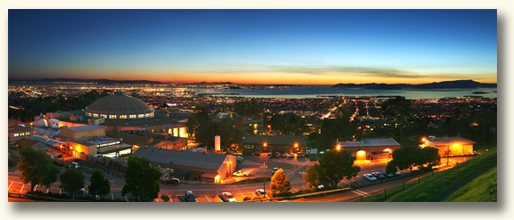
(255, 46)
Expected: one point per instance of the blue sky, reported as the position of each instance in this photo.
(255, 46)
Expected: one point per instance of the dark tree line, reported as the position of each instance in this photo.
(55, 103)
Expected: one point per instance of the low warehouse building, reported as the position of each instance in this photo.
(276, 143)
(190, 165)
(82, 132)
(450, 146)
(371, 148)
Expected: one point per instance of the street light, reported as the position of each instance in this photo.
(264, 177)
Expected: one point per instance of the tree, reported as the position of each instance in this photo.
(165, 198)
(37, 168)
(199, 117)
(336, 129)
(114, 127)
(279, 184)
(407, 157)
(431, 156)
(314, 176)
(391, 168)
(337, 165)
(222, 107)
(99, 184)
(141, 179)
(72, 180)
(249, 108)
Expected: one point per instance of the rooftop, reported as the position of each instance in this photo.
(370, 142)
(275, 139)
(446, 140)
(48, 141)
(98, 141)
(24, 142)
(182, 158)
(85, 128)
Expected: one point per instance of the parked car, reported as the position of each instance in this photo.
(378, 175)
(397, 173)
(240, 173)
(274, 170)
(75, 165)
(277, 154)
(270, 155)
(227, 196)
(328, 185)
(321, 152)
(299, 154)
(260, 193)
(189, 196)
(173, 181)
(239, 159)
(80, 193)
(369, 177)
(291, 155)
(383, 172)
(284, 155)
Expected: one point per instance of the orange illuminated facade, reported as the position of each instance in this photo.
(450, 146)
(370, 148)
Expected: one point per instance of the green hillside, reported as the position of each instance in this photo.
(481, 189)
(443, 184)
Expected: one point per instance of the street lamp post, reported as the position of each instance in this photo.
(264, 177)
(448, 156)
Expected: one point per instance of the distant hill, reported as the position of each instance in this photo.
(99, 81)
(458, 84)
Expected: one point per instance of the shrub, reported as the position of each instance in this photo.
(165, 198)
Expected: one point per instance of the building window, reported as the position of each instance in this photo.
(16, 135)
(123, 116)
(112, 116)
(141, 115)
(103, 115)
(249, 146)
(147, 115)
(95, 115)
(89, 114)
(132, 116)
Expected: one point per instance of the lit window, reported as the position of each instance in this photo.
(141, 115)
(16, 135)
(132, 116)
(112, 116)
(123, 116)
(147, 115)
(95, 115)
(103, 115)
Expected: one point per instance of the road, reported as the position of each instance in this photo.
(208, 192)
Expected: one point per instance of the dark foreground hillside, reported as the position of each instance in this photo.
(474, 181)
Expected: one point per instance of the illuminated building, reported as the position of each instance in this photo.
(190, 165)
(452, 146)
(119, 106)
(276, 143)
(371, 148)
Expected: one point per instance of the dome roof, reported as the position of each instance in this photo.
(119, 103)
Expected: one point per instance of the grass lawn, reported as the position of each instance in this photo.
(481, 189)
(437, 186)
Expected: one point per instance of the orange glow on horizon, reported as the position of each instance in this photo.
(256, 77)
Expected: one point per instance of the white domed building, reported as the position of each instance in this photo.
(119, 106)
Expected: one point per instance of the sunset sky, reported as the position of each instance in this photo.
(255, 46)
